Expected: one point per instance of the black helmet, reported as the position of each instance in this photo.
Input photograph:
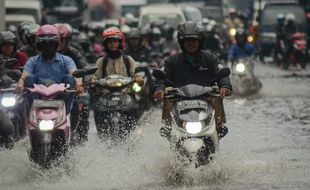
(190, 29)
(134, 33)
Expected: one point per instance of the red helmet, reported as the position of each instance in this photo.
(114, 33)
(48, 32)
(65, 30)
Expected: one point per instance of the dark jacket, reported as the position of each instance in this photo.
(76, 56)
(201, 71)
(141, 54)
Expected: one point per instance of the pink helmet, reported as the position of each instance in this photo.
(48, 32)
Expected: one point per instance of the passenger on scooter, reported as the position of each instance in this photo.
(8, 44)
(50, 67)
(242, 49)
(193, 66)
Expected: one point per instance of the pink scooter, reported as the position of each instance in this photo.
(49, 125)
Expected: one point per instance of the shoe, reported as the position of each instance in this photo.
(8, 142)
(165, 132)
(222, 131)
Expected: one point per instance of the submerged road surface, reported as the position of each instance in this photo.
(268, 147)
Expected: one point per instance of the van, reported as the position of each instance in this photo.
(268, 23)
(18, 11)
(170, 13)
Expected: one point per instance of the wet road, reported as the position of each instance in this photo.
(268, 147)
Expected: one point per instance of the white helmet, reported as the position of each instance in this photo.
(290, 17)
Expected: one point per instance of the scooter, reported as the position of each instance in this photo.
(193, 133)
(119, 106)
(299, 55)
(49, 126)
(243, 80)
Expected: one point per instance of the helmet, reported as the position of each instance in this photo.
(290, 17)
(8, 37)
(65, 30)
(240, 33)
(30, 32)
(113, 33)
(190, 29)
(134, 33)
(232, 11)
(281, 18)
(21, 28)
(47, 33)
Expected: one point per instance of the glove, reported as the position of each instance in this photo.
(165, 131)
(158, 95)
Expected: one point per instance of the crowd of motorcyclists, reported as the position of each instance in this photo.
(51, 54)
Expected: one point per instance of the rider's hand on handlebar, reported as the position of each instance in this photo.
(158, 95)
(20, 86)
(139, 80)
(79, 89)
(224, 92)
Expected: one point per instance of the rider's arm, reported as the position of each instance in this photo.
(99, 72)
(70, 68)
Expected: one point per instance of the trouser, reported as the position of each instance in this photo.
(80, 113)
(217, 105)
(68, 98)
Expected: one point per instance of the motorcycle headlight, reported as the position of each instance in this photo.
(8, 101)
(46, 125)
(193, 127)
(250, 39)
(232, 32)
(136, 87)
(240, 67)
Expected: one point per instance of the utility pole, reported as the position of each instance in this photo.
(2, 15)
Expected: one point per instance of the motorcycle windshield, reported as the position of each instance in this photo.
(192, 110)
(193, 90)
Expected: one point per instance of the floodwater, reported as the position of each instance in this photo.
(268, 147)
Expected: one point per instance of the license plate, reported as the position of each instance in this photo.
(116, 98)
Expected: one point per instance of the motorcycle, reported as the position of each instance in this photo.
(193, 129)
(299, 54)
(119, 106)
(49, 126)
(243, 80)
(14, 105)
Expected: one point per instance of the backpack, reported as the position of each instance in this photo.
(126, 62)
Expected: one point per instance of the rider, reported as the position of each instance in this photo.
(8, 44)
(193, 66)
(242, 49)
(65, 48)
(29, 36)
(280, 34)
(290, 28)
(116, 62)
(138, 51)
(49, 66)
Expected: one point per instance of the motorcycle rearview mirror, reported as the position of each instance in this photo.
(224, 72)
(90, 70)
(79, 73)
